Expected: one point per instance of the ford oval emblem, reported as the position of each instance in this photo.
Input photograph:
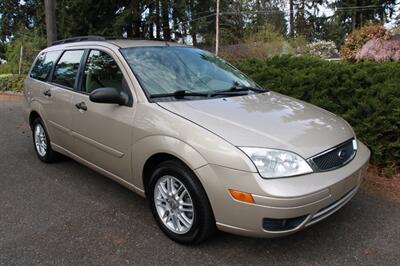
(342, 154)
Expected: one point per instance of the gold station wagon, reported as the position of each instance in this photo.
(208, 147)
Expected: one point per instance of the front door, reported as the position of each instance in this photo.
(102, 133)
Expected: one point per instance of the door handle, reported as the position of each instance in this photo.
(47, 93)
(81, 106)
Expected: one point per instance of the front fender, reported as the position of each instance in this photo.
(148, 146)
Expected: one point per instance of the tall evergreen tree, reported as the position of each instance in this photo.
(356, 13)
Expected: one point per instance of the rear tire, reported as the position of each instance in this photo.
(41, 142)
(179, 203)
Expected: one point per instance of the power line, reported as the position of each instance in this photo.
(285, 11)
(195, 19)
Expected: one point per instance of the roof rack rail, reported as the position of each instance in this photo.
(79, 39)
(138, 39)
(100, 38)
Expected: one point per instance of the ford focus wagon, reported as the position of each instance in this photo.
(208, 147)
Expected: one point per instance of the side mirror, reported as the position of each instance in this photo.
(107, 95)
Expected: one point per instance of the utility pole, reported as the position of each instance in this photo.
(51, 29)
(21, 54)
(217, 30)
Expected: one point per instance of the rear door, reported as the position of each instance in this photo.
(53, 102)
(37, 87)
(102, 133)
(59, 94)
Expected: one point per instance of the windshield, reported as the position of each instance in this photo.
(166, 70)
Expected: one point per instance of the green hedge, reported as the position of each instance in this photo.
(366, 94)
(10, 82)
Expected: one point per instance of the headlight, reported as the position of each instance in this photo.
(277, 163)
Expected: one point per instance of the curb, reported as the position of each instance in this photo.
(10, 96)
(11, 93)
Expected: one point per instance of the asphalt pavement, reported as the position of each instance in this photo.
(67, 214)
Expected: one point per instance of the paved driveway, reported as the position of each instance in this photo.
(64, 213)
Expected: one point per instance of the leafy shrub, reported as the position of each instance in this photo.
(299, 45)
(5, 69)
(237, 52)
(265, 33)
(263, 43)
(358, 38)
(31, 42)
(10, 82)
(396, 30)
(380, 50)
(366, 94)
(323, 49)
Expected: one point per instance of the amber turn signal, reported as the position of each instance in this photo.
(242, 196)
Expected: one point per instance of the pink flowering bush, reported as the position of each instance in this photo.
(358, 38)
(380, 50)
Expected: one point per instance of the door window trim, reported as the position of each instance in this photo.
(51, 76)
(82, 66)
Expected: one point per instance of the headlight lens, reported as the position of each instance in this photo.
(277, 163)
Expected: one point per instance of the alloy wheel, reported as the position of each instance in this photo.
(40, 140)
(173, 204)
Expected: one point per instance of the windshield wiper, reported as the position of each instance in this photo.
(180, 94)
(236, 88)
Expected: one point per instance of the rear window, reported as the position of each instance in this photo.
(67, 68)
(44, 64)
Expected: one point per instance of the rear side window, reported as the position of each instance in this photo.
(44, 64)
(66, 70)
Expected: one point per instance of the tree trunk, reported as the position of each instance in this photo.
(137, 20)
(193, 32)
(51, 28)
(301, 18)
(361, 14)
(151, 20)
(158, 24)
(165, 20)
(291, 18)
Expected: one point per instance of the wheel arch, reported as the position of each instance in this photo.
(33, 116)
(151, 151)
(152, 162)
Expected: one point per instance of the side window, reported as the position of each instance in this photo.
(102, 71)
(43, 65)
(66, 70)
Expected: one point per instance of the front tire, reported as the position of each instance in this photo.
(41, 142)
(179, 203)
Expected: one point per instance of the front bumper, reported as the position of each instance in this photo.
(304, 200)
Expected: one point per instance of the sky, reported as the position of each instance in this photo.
(324, 10)
(389, 25)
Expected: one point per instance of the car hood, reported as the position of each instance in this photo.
(269, 120)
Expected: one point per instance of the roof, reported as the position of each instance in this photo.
(122, 43)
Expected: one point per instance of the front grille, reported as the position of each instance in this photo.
(335, 157)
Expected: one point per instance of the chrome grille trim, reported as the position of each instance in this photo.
(316, 168)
